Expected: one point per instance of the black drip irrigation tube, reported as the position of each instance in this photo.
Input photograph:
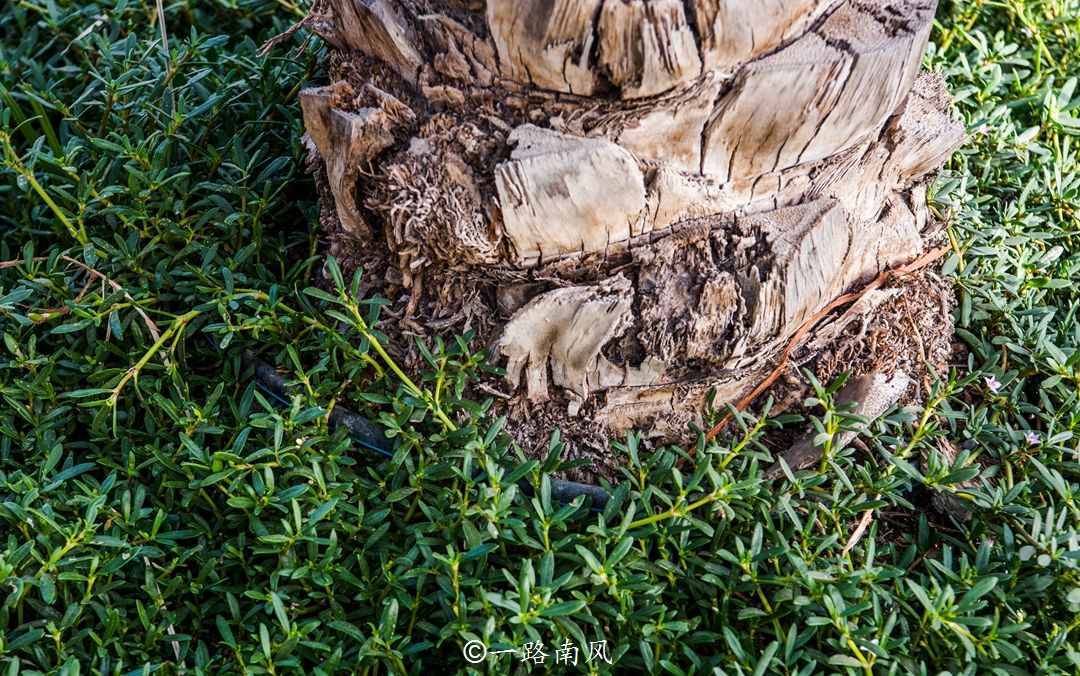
(370, 437)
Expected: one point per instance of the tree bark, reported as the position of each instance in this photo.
(635, 202)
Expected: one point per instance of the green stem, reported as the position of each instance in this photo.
(430, 401)
(413, 388)
(178, 325)
(13, 161)
(676, 510)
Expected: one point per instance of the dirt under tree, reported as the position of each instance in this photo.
(635, 203)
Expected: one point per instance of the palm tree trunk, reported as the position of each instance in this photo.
(636, 202)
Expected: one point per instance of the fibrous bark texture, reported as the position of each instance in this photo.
(636, 203)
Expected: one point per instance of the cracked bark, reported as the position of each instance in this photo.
(634, 202)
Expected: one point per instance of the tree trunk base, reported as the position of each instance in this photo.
(635, 232)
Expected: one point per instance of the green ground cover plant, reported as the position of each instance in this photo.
(158, 514)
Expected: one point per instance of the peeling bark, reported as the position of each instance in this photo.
(636, 202)
(349, 140)
(561, 194)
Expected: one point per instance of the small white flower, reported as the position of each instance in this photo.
(1032, 437)
(993, 384)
